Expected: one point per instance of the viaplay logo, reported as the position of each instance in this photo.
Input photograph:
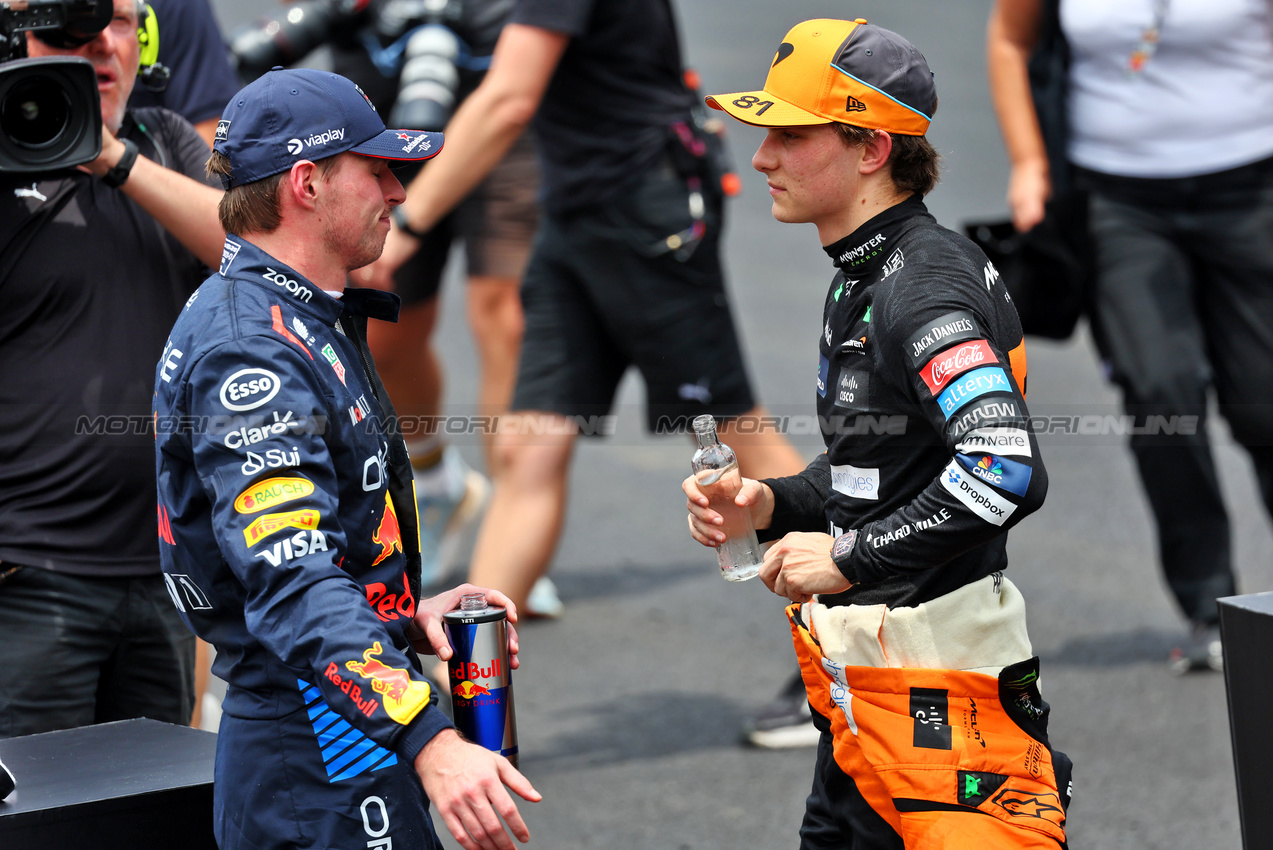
(295, 146)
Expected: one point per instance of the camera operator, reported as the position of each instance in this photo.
(95, 264)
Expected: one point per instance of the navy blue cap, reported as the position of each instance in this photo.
(296, 114)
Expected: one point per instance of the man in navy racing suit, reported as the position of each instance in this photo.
(289, 536)
(912, 644)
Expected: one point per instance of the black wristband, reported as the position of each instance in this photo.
(841, 549)
(117, 175)
(400, 221)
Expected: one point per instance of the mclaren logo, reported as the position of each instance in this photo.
(784, 50)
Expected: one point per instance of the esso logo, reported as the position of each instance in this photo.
(248, 389)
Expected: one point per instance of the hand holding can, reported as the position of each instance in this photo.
(481, 675)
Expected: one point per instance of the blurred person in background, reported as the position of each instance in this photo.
(496, 222)
(1171, 134)
(200, 80)
(95, 264)
(892, 544)
(626, 268)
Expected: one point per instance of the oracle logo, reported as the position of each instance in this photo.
(956, 361)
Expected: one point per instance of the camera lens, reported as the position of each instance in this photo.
(35, 112)
(50, 113)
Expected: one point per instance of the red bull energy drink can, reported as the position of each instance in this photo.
(481, 681)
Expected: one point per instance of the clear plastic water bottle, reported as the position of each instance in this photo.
(716, 472)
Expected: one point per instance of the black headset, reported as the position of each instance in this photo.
(153, 74)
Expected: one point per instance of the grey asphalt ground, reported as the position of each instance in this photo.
(629, 706)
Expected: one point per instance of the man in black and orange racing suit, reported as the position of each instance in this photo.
(912, 644)
(287, 515)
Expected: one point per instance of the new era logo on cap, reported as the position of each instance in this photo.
(849, 72)
(303, 114)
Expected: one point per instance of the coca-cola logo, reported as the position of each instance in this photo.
(956, 361)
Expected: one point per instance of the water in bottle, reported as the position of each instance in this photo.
(716, 472)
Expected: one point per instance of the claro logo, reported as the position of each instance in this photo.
(248, 389)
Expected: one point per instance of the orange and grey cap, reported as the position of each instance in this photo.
(848, 72)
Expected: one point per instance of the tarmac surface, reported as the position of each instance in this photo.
(629, 706)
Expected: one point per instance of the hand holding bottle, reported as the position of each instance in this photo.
(714, 491)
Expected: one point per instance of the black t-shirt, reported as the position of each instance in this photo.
(90, 285)
(604, 119)
(190, 45)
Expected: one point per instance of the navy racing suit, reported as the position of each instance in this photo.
(288, 539)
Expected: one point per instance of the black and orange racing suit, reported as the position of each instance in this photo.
(929, 461)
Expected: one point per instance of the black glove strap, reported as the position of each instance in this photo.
(117, 175)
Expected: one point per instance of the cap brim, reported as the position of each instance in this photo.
(403, 145)
(762, 109)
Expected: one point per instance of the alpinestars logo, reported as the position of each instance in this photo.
(854, 105)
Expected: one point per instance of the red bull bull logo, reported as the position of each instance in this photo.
(468, 690)
(403, 697)
(388, 534)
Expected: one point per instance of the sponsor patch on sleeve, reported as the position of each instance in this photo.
(1000, 472)
(973, 385)
(267, 524)
(1000, 441)
(978, 498)
(270, 492)
(824, 369)
(982, 414)
(957, 326)
(953, 362)
(855, 482)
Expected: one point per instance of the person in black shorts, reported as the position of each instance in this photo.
(625, 270)
(496, 223)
